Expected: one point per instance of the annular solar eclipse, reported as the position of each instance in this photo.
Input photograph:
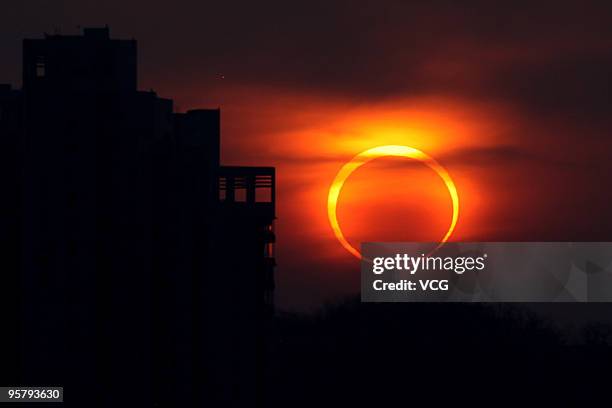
(385, 151)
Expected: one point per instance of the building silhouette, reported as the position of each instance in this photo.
(140, 261)
(11, 119)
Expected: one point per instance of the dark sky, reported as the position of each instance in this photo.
(525, 51)
(514, 98)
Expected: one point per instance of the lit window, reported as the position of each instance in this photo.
(222, 188)
(263, 195)
(240, 195)
(269, 250)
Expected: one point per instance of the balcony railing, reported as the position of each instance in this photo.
(249, 190)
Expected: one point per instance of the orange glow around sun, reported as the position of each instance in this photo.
(507, 179)
(391, 198)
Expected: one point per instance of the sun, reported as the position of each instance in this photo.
(384, 151)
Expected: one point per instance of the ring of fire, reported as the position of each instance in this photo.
(383, 151)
